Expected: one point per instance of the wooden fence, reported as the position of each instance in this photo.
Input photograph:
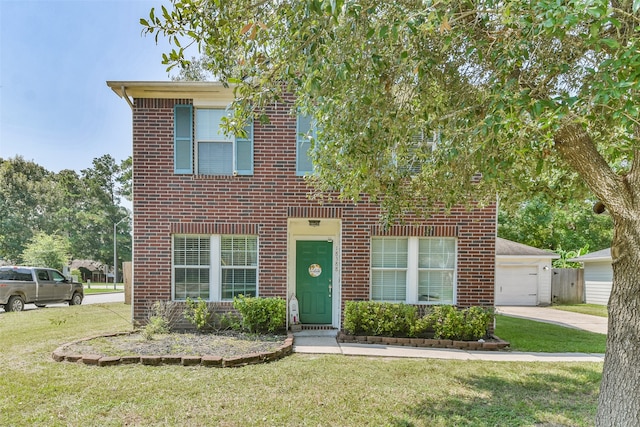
(567, 286)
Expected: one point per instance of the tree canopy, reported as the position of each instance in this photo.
(67, 214)
(537, 97)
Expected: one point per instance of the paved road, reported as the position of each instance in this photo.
(88, 299)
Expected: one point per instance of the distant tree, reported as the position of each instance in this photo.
(44, 250)
(104, 185)
(568, 226)
(126, 178)
(26, 203)
(196, 70)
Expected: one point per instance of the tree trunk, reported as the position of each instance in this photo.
(619, 400)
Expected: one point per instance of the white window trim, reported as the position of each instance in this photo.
(215, 268)
(413, 271)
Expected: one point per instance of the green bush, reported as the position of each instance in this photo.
(470, 324)
(387, 319)
(198, 314)
(375, 318)
(261, 315)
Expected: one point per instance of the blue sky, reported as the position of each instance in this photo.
(55, 59)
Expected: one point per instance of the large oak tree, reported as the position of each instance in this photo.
(539, 97)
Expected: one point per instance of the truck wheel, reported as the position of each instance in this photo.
(15, 303)
(76, 299)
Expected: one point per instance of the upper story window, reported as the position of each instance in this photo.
(305, 135)
(208, 151)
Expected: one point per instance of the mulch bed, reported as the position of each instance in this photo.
(188, 349)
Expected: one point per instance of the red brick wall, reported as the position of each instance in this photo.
(166, 203)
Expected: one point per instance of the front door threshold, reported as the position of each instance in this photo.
(328, 332)
(312, 327)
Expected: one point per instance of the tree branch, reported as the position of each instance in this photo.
(576, 147)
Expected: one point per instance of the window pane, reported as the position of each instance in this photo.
(435, 287)
(305, 164)
(437, 253)
(238, 281)
(208, 123)
(238, 252)
(305, 133)
(215, 158)
(191, 283)
(389, 253)
(388, 285)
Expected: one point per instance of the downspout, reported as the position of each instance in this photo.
(126, 97)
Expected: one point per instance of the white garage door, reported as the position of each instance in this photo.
(516, 285)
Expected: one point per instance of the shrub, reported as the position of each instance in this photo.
(198, 314)
(375, 318)
(260, 315)
(161, 319)
(469, 324)
(387, 319)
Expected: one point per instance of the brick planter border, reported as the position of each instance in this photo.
(174, 359)
(495, 343)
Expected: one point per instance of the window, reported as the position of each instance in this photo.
(215, 267)
(215, 152)
(413, 270)
(306, 133)
(418, 151)
(389, 269)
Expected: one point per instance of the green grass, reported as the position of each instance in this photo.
(528, 335)
(93, 290)
(100, 287)
(591, 309)
(327, 390)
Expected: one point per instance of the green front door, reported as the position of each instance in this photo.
(314, 268)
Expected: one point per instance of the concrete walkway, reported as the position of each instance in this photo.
(324, 342)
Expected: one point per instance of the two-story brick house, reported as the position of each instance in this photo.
(216, 216)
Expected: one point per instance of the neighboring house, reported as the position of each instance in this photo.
(598, 276)
(523, 274)
(216, 216)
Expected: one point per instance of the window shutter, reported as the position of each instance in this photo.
(182, 139)
(244, 152)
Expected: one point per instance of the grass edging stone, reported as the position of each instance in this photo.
(59, 355)
(494, 343)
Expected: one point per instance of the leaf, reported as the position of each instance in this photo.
(612, 43)
(445, 26)
(636, 6)
(246, 28)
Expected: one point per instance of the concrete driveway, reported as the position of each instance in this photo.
(559, 317)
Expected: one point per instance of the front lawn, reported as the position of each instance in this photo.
(591, 309)
(528, 335)
(327, 390)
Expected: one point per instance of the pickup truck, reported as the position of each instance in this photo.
(36, 285)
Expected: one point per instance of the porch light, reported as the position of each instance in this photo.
(314, 223)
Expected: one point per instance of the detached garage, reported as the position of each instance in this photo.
(598, 276)
(523, 274)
